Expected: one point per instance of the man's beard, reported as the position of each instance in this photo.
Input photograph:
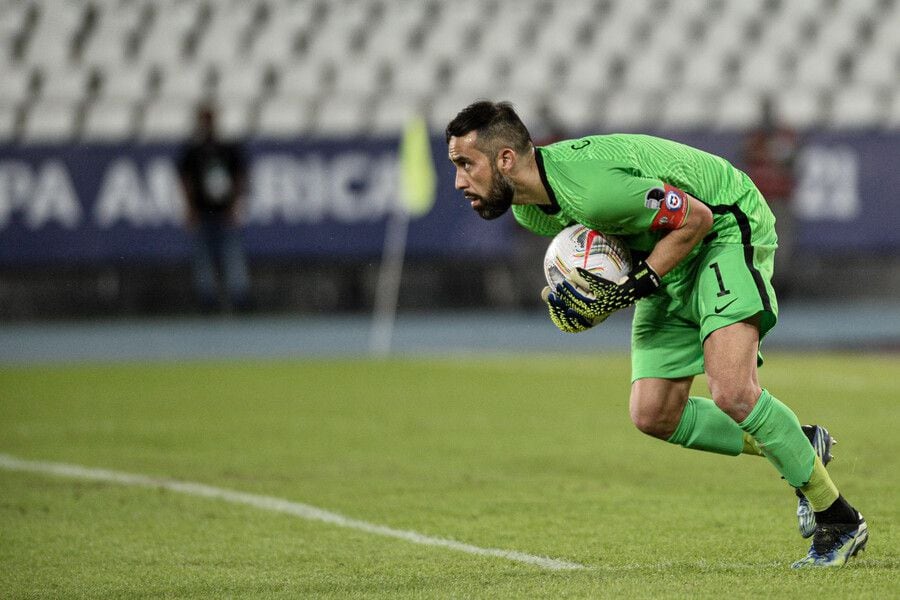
(499, 197)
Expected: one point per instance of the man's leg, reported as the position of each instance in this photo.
(730, 357)
(204, 270)
(666, 353)
(663, 408)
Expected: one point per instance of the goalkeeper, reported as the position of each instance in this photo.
(703, 241)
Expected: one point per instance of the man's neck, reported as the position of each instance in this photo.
(529, 188)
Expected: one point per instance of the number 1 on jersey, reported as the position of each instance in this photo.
(722, 290)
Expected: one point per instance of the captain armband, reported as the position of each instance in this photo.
(672, 207)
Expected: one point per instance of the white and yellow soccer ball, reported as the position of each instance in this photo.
(578, 246)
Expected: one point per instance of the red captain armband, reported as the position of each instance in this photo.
(673, 208)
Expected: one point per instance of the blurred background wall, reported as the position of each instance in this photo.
(98, 97)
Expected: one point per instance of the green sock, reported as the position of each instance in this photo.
(777, 431)
(751, 446)
(705, 427)
(820, 490)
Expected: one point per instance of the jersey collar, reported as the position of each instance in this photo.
(553, 207)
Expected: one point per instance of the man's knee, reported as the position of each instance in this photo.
(652, 424)
(734, 397)
(656, 406)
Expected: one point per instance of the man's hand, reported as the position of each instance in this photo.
(591, 297)
(566, 319)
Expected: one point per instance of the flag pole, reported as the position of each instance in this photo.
(387, 288)
(417, 183)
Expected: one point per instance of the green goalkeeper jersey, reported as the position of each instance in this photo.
(630, 185)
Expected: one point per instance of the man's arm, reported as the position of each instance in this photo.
(584, 299)
(676, 244)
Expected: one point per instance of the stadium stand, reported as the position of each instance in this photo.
(110, 69)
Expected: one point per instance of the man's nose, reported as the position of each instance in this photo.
(460, 182)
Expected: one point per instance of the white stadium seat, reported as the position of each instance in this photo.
(857, 108)
(393, 112)
(16, 85)
(284, 117)
(235, 117)
(50, 121)
(168, 119)
(108, 120)
(800, 107)
(342, 116)
(626, 110)
(67, 84)
(688, 109)
(185, 82)
(738, 109)
(609, 63)
(125, 82)
(240, 81)
(8, 116)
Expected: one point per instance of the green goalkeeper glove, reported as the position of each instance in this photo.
(591, 297)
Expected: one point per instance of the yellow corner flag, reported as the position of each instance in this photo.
(418, 181)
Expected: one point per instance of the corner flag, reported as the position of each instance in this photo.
(418, 181)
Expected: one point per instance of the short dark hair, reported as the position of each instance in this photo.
(496, 123)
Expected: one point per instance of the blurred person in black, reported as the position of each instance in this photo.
(770, 153)
(213, 175)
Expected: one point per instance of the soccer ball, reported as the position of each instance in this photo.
(577, 246)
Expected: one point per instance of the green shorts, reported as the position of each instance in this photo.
(722, 285)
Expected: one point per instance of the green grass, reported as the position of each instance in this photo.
(526, 453)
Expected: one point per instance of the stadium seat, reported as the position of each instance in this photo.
(877, 66)
(51, 41)
(369, 53)
(818, 69)
(126, 82)
(627, 110)
(706, 71)
(108, 45)
(580, 114)
(543, 72)
(8, 121)
(223, 41)
(738, 109)
(67, 84)
(241, 81)
(800, 107)
(164, 40)
(167, 119)
(688, 109)
(857, 108)
(187, 82)
(277, 37)
(417, 76)
(393, 111)
(50, 121)
(764, 70)
(17, 84)
(342, 116)
(300, 78)
(481, 79)
(108, 120)
(446, 106)
(362, 77)
(235, 117)
(284, 117)
(590, 72)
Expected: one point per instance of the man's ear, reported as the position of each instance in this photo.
(506, 160)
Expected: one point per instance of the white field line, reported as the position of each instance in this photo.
(280, 505)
